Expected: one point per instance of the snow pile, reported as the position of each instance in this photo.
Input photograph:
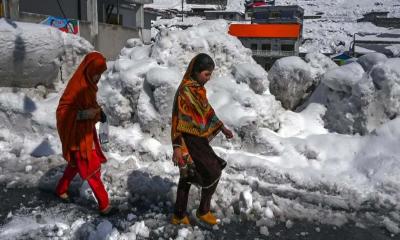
(251, 74)
(292, 80)
(360, 96)
(369, 60)
(141, 86)
(343, 79)
(32, 54)
(395, 49)
(386, 79)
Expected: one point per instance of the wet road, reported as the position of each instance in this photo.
(15, 199)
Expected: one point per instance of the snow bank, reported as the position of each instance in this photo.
(386, 79)
(146, 86)
(343, 78)
(32, 54)
(367, 61)
(292, 80)
(253, 75)
(360, 96)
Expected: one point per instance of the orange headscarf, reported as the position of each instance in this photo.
(80, 94)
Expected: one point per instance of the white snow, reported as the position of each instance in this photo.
(32, 54)
(344, 77)
(282, 165)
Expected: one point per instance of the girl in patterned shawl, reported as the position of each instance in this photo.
(194, 124)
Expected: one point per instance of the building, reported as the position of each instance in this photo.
(199, 7)
(227, 15)
(371, 16)
(278, 14)
(251, 4)
(200, 10)
(104, 23)
(385, 43)
(275, 32)
(380, 19)
(248, 4)
(129, 11)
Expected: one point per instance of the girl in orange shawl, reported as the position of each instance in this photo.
(77, 114)
(194, 124)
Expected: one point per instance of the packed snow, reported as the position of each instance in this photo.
(37, 52)
(283, 166)
(292, 80)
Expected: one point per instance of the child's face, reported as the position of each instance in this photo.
(96, 78)
(204, 76)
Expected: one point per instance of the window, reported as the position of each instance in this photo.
(275, 14)
(253, 46)
(259, 15)
(287, 47)
(266, 47)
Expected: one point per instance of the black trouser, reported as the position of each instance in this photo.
(208, 168)
(183, 195)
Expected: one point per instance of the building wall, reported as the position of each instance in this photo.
(275, 43)
(267, 56)
(148, 17)
(50, 7)
(387, 22)
(277, 15)
(227, 16)
(111, 38)
(127, 15)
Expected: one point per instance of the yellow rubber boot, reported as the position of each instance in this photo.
(208, 218)
(176, 221)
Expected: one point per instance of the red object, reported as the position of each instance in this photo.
(257, 4)
(80, 94)
(74, 29)
(265, 30)
(94, 180)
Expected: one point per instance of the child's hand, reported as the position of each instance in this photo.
(177, 157)
(228, 133)
(92, 112)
